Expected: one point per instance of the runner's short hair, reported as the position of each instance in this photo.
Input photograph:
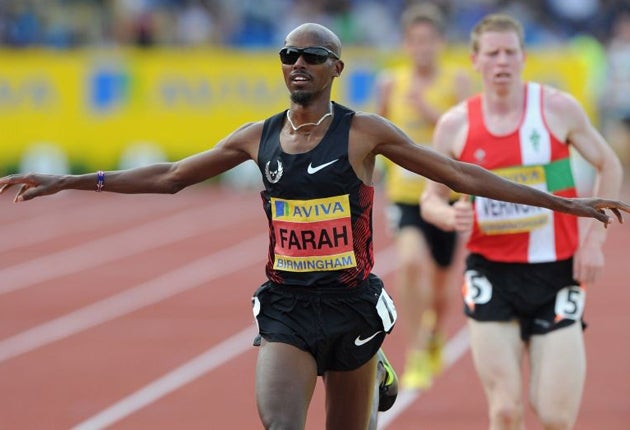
(496, 22)
(423, 13)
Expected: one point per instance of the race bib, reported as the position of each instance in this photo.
(313, 235)
(498, 217)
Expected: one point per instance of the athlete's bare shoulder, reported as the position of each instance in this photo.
(562, 111)
(249, 130)
(371, 130)
(455, 117)
(246, 138)
(451, 130)
(364, 120)
(556, 100)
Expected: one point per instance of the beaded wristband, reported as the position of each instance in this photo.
(100, 180)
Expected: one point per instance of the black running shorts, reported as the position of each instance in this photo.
(542, 296)
(441, 243)
(341, 327)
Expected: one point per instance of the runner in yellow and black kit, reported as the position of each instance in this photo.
(413, 96)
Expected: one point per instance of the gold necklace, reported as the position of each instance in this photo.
(326, 115)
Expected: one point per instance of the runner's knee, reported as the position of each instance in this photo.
(506, 416)
(553, 418)
(282, 418)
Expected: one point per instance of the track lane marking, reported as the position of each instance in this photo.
(194, 274)
(184, 374)
(95, 253)
(37, 229)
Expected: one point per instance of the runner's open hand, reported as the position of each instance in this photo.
(593, 207)
(31, 185)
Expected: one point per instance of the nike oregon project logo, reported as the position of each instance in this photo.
(314, 169)
(273, 176)
(359, 342)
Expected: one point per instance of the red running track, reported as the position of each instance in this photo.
(133, 312)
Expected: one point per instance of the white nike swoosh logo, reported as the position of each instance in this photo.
(358, 341)
(316, 169)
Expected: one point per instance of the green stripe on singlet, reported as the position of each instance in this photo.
(559, 176)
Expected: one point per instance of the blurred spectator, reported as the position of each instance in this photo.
(196, 24)
(575, 17)
(375, 25)
(255, 21)
(23, 24)
(133, 21)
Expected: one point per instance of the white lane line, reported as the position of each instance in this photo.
(198, 272)
(41, 228)
(174, 228)
(454, 349)
(188, 372)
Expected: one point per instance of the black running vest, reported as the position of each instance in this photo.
(319, 211)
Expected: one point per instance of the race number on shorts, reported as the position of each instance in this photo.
(477, 289)
(570, 303)
(386, 310)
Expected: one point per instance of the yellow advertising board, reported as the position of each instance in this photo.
(94, 104)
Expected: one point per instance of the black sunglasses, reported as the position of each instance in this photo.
(311, 54)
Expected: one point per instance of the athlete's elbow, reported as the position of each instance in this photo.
(461, 183)
(170, 183)
(470, 179)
